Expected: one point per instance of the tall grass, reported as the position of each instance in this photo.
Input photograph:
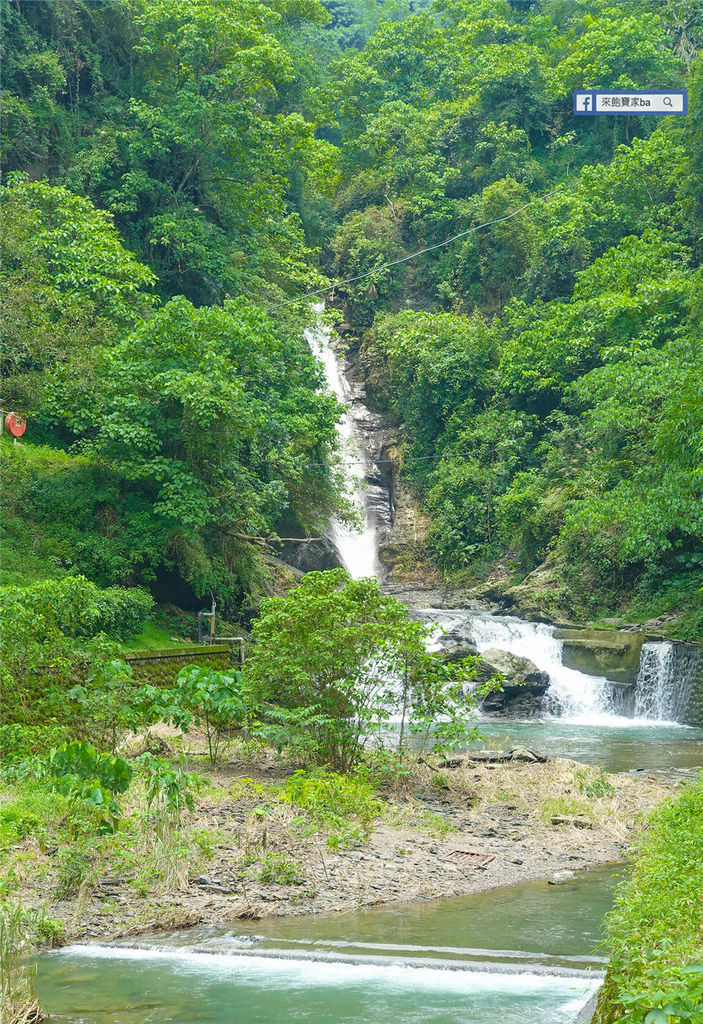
(18, 932)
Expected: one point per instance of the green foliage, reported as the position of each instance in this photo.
(104, 701)
(654, 930)
(168, 788)
(80, 610)
(325, 662)
(278, 869)
(337, 801)
(90, 780)
(216, 701)
(18, 742)
(593, 783)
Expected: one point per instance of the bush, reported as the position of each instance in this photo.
(18, 742)
(215, 700)
(90, 780)
(324, 664)
(329, 798)
(77, 608)
(656, 926)
(281, 870)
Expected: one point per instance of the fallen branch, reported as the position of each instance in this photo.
(269, 541)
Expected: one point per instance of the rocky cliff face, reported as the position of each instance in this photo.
(402, 526)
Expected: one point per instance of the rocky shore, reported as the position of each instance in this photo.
(447, 829)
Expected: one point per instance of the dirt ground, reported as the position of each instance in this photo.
(531, 819)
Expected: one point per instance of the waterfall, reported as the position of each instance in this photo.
(661, 696)
(665, 681)
(572, 695)
(357, 550)
(667, 671)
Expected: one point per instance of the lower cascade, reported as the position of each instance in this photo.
(668, 673)
(666, 680)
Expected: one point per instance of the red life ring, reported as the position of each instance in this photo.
(15, 424)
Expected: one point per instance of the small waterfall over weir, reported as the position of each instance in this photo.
(667, 673)
(665, 681)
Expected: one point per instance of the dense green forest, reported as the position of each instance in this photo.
(521, 291)
(174, 172)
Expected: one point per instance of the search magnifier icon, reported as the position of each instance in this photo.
(667, 101)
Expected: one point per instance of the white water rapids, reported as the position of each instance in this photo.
(662, 690)
(574, 696)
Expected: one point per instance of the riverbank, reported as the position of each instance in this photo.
(261, 843)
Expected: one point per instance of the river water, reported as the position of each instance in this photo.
(520, 955)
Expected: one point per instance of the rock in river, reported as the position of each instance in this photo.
(524, 684)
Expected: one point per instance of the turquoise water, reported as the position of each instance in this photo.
(386, 965)
(137, 987)
(535, 922)
(668, 749)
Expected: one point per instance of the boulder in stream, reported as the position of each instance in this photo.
(524, 684)
(602, 652)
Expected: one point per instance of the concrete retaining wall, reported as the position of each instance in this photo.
(160, 668)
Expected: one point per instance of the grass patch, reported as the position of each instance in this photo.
(152, 638)
(329, 796)
(565, 806)
(655, 931)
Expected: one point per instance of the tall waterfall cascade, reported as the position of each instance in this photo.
(357, 550)
(667, 671)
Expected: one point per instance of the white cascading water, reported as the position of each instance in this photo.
(357, 550)
(575, 696)
(663, 683)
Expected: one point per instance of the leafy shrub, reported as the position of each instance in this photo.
(90, 780)
(18, 742)
(321, 667)
(654, 930)
(79, 609)
(168, 788)
(214, 700)
(282, 870)
(105, 702)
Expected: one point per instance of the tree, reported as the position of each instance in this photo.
(334, 658)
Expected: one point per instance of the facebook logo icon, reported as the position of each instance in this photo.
(584, 102)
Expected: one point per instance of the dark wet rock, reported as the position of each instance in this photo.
(458, 653)
(523, 685)
(514, 754)
(311, 556)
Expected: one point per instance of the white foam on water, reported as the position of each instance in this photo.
(581, 699)
(305, 973)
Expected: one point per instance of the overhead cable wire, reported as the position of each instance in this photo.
(413, 255)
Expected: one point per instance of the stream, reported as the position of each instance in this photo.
(519, 955)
